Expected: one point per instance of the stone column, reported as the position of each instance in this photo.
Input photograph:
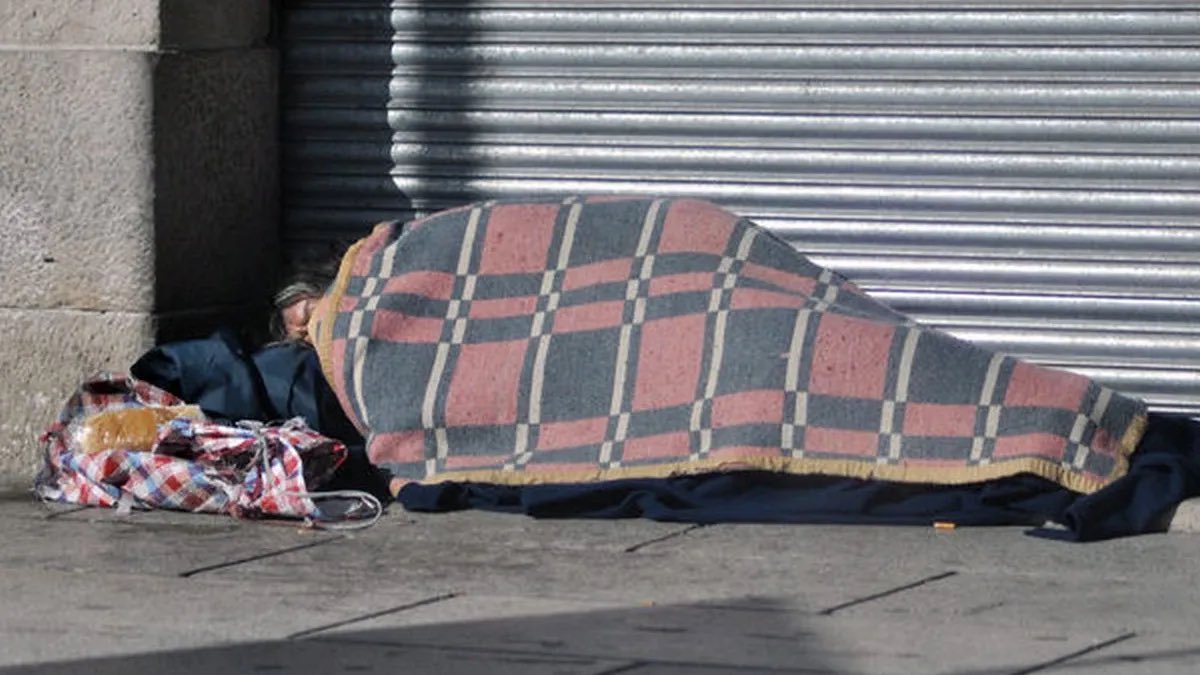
(138, 189)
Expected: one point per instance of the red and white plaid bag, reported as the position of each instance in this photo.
(248, 470)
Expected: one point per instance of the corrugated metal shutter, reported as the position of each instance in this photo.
(1023, 174)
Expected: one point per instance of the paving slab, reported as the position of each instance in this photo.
(1144, 655)
(745, 634)
(488, 553)
(693, 635)
(147, 543)
(51, 615)
(1058, 603)
(96, 591)
(314, 657)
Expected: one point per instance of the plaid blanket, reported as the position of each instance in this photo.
(195, 466)
(600, 338)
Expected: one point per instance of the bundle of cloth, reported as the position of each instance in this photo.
(245, 443)
(613, 357)
(122, 442)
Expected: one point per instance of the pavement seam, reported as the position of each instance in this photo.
(671, 535)
(259, 556)
(1074, 655)
(374, 615)
(829, 611)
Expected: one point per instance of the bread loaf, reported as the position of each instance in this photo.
(127, 428)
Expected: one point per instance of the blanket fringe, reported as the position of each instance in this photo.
(1063, 475)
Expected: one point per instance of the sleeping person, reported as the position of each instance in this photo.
(617, 357)
(279, 381)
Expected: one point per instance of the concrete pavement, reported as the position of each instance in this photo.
(90, 591)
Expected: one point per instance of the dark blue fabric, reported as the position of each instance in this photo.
(759, 497)
(1164, 471)
(216, 374)
(221, 377)
(208, 373)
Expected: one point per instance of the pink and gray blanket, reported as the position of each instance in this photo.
(598, 338)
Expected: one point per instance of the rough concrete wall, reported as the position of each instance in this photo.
(138, 188)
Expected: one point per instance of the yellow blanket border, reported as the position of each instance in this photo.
(1038, 466)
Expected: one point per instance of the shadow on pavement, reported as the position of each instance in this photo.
(745, 636)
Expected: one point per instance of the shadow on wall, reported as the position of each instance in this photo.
(745, 636)
(366, 93)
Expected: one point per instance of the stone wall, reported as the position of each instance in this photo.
(138, 188)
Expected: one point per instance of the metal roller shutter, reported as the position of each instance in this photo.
(1025, 175)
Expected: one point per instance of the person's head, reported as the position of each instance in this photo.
(305, 283)
(293, 306)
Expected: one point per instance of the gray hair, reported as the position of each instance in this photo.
(290, 294)
(296, 291)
